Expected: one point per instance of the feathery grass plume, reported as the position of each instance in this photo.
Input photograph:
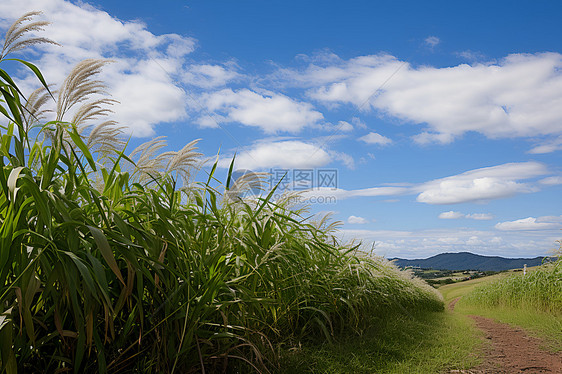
(185, 161)
(105, 138)
(93, 110)
(16, 38)
(325, 225)
(79, 86)
(245, 183)
(35, 111)
(149, 164)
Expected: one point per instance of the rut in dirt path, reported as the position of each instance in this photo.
(511, 350)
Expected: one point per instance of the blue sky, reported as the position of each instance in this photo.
(442, 122)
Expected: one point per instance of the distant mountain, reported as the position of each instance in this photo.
(468, 261)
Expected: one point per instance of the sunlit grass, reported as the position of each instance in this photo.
(540, 290)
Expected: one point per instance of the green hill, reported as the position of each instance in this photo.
(469, 261)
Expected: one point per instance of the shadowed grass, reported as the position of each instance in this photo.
(398, 343)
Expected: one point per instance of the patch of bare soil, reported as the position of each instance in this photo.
(452, 304)
(511, 350)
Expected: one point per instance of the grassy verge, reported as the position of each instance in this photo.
(404, 343)
(454, 290)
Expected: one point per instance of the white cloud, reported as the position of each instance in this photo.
(432, 41)
(550, 219)
(210, 76)
(345, 159)
(142, 77)
(451, 215)
(528, 224)
(358, 123)
(478, 185)
(354, 220)
(270, 112)
(342, 194)
(480, 216)
(549, 145)
(471, 56)
(284, 154)
(345, 126)
(374, 138)
(551, 181)
(481, 184)
(457, 215)
(519, 96)
(426, 243)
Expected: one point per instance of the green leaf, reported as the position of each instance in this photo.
(9, 80)
(106, 252)
(35, 70)
(77, 139)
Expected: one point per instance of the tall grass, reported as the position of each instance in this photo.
(125, 263)
(540, 289)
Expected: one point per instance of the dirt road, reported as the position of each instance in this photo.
(511, 350)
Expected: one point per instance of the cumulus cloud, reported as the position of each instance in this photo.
(281, 154)
(530, 224)
(354, 220)
(482, 184)
(143, 75)
(270, 112)
(518, 96)
(374, 138)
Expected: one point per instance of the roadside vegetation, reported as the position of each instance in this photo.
(118, 261)
(539, 289)
(532, 301)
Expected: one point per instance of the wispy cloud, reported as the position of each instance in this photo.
(531, 224)
(482, 184)
(478, 185)
(432, 41)
(457, 215)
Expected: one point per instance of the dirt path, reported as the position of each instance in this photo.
(511, 350)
